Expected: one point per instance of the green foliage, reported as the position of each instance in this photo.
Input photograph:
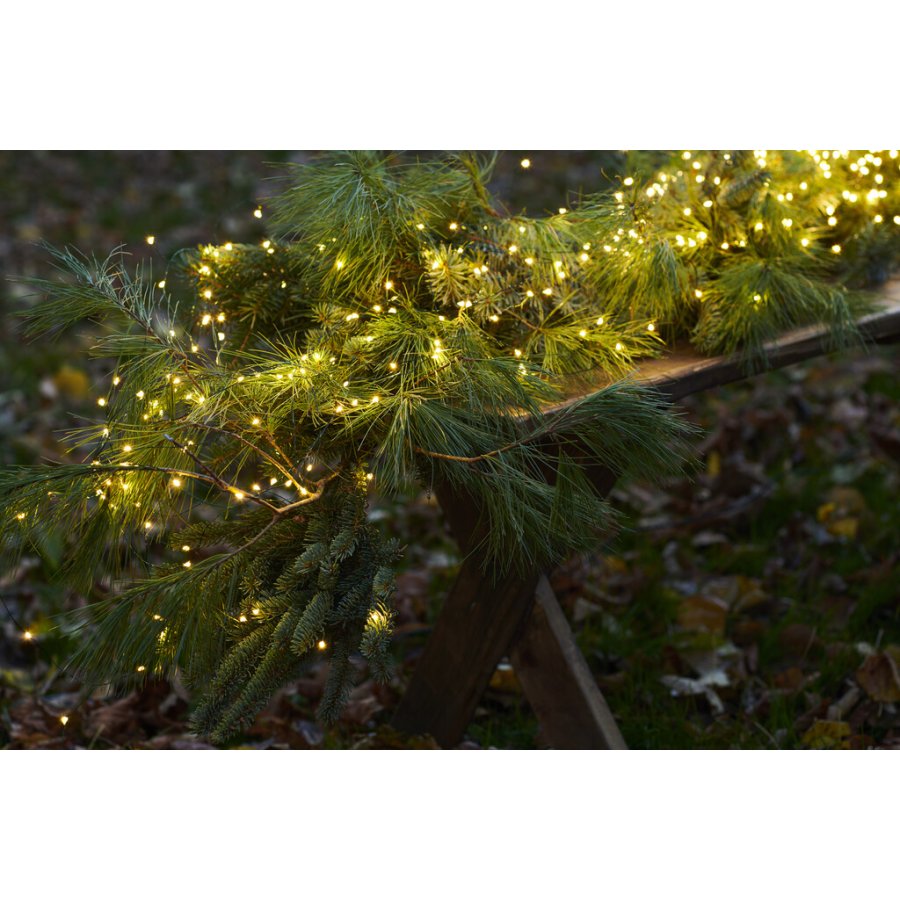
(399, 329)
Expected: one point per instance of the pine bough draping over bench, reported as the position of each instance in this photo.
(399, 328)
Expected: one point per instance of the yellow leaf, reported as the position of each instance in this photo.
(824, 735)
(844, 528)
(72, 381)
(823, 513)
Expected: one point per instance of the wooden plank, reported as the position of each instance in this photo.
(558, 683)
(682, 371)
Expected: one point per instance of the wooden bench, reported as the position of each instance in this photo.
(517, 615)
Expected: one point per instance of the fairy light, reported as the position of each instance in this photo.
(141, 669)
(63, 720)
(27, 636)
(651, 327)
(835, 248)
(525, 163)
(256, 488)
(257, 213)
(140, 395)
(101, 401)
(127, 448)
(150, 239)
(186, 564)
(175, 482)
(321, 645)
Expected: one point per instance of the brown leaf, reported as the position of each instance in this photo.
(879, 677)
(699, 613)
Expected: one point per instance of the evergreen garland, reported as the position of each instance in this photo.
(398, 327)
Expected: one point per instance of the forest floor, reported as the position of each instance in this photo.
(754, 604)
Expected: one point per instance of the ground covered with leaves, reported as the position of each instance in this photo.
(754, 604)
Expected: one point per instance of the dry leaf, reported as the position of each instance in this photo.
(879, 676)
(824, 735)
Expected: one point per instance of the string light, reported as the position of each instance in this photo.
(150, 239)
(525, 163)
(321, 645)
(257, 213)
(27, 636)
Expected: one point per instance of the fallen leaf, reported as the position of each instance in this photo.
(824, 735)
(879, 676)
(700, 613)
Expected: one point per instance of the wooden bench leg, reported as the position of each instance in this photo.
(473, 632)
(482, 620)
(558, 683)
